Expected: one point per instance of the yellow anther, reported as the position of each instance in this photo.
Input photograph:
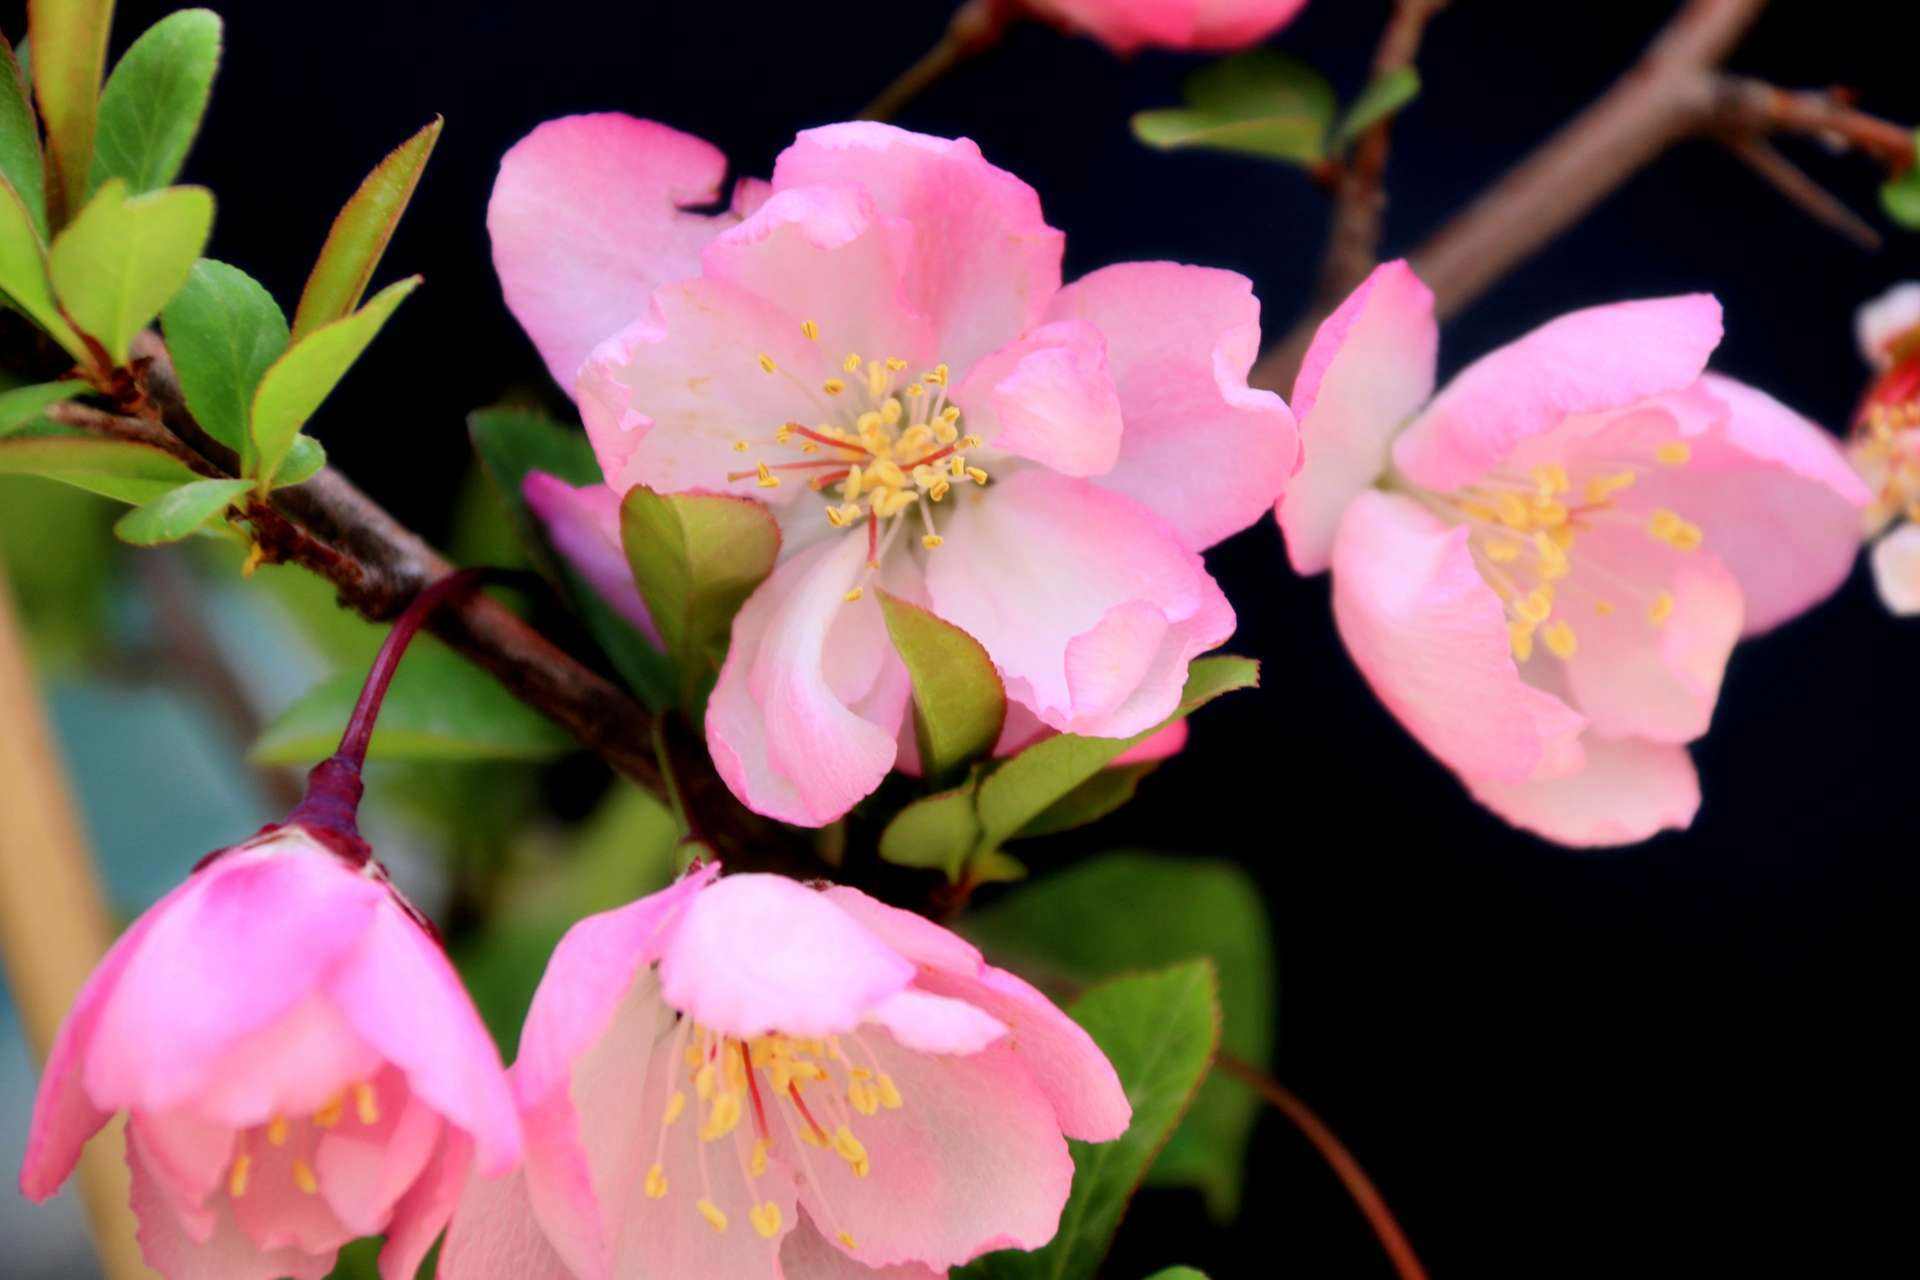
(938, 490)
(676, 1104)
(957, 467)
(889, 1095)
(237, 1176)
(366, 1103)
(945, 432)
(328, 1116)
(1479, 511)
(1549, 513)
(891, 411)
(895, 363)
(970, 442)
(929, 541)
(864, 1097)
(950, 414)
(703, 1082)
(277, 1131)
(976, 475)
(303, 1178)
(656, 1182)
(1520, 639)
(916, 389)
(1661, 609)
(1602, 488)
(1551, 478)
(846, 1240)
(766, 362)
(837, 517)
(1674, 453)
(850, 1149)
(757, 1165)
(1501, 550)
(1670, 528)
(811, 329)
(692, 1057)
(766, 480)
(884, 471)
(853, 595)
(741, 446)
(711, 1212)
(1553, 559)
(852, 363)
(722, 1119)
(850, 487)
(1560, 639)
(1603, 607)
(1535, 606)
(1511, 511)
(1563, 536)
(833, 386)
(765, 1219)
(876, 379)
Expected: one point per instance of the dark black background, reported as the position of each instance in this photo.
(1679, 1059)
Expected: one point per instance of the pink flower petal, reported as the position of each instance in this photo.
(224, 1254)
(1125, 26)
(1884, 320)
(422, 1214)
(292, 1066)
(583, 525)
(1202, 449)
(783, 736)
(936, 1024)
(1164, 745)
(1627, 791)
(1087, 603)
(586, 220)
(806, 1255)
(364, 1169)
(982, 260)
(1370, 368)
(1583, 362)
(1048, 398)
(1431, 638)
(494, 1236)
(757, 953)
(1896, 570)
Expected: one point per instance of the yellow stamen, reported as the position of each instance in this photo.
(850, 1149)
(1602, 488)
(675, 1105)
(1674, 453)
(1603, 607)
(1502, 551)
(741, 446)
(1560, 639)
(889, 1095)
(846, 1240)
(766, 362)
(1661, 609)
(722, 1119)
(811, 329)
(1520, 639)
(366, 1103)
(853, 595)
(976, 475)
(929, 541)
(767, 480)
(1535, 605)
(303, 1178)
(833, 386)
(765, 1219)
(711, 1212)
(758, 1165)
(852, 363)
(328, 1116)
(237, 1176)
(1668, 527)
(277, 1131)
(1551, 478)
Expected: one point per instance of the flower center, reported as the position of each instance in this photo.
(1526, 533)
(1886, 450)
(810, 1088)
(291, 1143)
(885, 452)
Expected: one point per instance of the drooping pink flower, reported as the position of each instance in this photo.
(1542, 569)
(299, 1066)
(1125, 26)
(877, 345)
(1885, 443)
(745, 1076)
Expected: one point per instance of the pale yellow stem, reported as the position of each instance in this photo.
(54, 925)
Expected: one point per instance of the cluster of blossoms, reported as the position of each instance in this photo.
(1885, 447)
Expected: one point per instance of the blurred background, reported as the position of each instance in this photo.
(1680, 1058)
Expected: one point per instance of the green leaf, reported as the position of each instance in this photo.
(224, 330)
(180, 513)
(120, 469)
(360, 234)
(1259, 103)
(696, 557)
(959, 703)
(937, 833)
(22, 405)
(69, 56)
(303, 462)
(440, 707)
(1900, 196)
(21, 161)
(23, 272)
(1118, 913)
(1178, 1273)
(1023, 788)
(151, 109)
(514, 442)
(1089, 802)
(1376, 102)
(1158, 1030)
(295, 384)
(124, 257)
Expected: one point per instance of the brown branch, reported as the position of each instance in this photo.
(1365, 1195)
(1671, 93)
(1746, 106)
(1360, 199)
(1794, 183)
(975, 26)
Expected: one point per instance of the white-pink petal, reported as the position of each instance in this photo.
(1626, 791)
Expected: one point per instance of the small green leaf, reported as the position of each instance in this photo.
(120, 469)
(1023, 788)
(151, 109)
(1178, 1273)
(69, 57)
(1089, 802)
(1115, 914)
(1259, 103)
(22, 405)
(180, 513)
(937, 833)
(1376, 102)
(295, 384)
(21, 161)
(1159, 1031)
(124, 257)
(23, 272)
(696, 557)
(440, 707)
(223, 330)
(1900, 196)
(959, 703)
(360, 234)
(303, 462)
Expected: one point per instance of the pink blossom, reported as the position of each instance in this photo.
(877, 345)
(1126, 25)
(298, 1063)
(1885, 443)
(745, 1076)
(1542, 569)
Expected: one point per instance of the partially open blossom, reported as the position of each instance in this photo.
(877, 345)
(298, 1063)
(1885, 443)
(746, 1076)
(1127, 25)
(1542, 569)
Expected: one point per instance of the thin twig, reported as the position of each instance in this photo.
(975, 26)
(1745, 105)
(1365, 1195)
(1791, 181)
